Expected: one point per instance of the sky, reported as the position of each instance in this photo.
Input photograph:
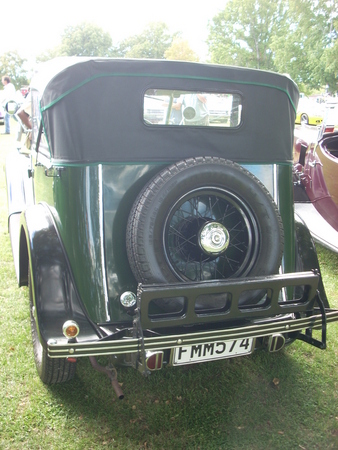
(32, 27)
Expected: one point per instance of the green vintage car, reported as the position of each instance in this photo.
(153, 229)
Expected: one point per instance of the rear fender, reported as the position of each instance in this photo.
(55, 297)
(306, 255)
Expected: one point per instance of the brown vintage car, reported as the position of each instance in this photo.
(316, 179)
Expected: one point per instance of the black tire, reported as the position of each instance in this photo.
(51, 371)
(304, 118)
(173, 212)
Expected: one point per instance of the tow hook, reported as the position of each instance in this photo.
(111, 373)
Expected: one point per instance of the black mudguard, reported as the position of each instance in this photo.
(54, 293)
(306, 255)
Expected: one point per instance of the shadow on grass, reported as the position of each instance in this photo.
(232, 402)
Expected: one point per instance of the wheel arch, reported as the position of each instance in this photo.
(55, 297)
(306, 255)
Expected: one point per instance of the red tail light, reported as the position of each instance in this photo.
(154, 360)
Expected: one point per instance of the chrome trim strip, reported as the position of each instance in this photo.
(275, 184)
(133, 345)
(102, 250)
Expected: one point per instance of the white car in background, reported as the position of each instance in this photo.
(2, 116)
(331, 116)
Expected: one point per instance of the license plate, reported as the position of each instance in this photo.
(188, 354)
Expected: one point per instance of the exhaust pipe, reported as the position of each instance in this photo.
(111, 373)
(276, 342)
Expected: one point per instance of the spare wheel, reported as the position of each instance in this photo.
(204, 219)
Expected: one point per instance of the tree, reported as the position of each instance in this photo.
(50, 54)
(151, 43)
(330, 62)
(298, 37)
(14, 66)
(307, 47)
(180, 51)
(85, 39)
(241, 34)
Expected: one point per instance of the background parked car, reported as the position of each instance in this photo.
(2, 116)
(316, 179)
(331, 115)
(154, 109)
(309, 112)
(24, 90)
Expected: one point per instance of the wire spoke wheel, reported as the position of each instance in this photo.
(210, 234)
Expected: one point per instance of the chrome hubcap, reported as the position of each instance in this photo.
(214, 238)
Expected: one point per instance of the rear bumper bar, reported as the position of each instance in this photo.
(134, 345)
(275, 316)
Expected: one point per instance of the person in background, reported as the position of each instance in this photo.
(8, 94)
(195, 110)
(24, 114)
(25, 103)
(176, 111)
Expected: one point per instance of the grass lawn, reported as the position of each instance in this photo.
(287, 400)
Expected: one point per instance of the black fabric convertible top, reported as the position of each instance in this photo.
(92, 112)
